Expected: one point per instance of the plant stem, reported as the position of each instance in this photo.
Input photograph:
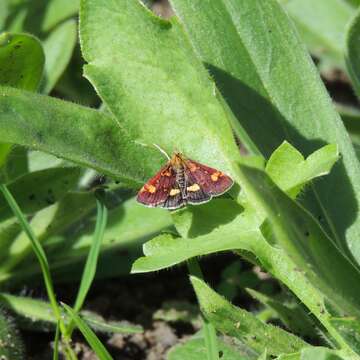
(44, 265)
(210, 337)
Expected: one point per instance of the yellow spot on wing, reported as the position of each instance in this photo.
(174, 192)
(215, 176)
(150, 188)
(192, 167)
(194, 187)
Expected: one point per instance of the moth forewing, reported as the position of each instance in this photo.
(182, 181)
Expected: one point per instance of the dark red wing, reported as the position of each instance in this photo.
(211, 181)
(156, 191)
(195, 193)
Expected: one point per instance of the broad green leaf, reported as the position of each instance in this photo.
(276, 94)
(16, 164)
(73, 86)
(37, 190)
(38, 160)
(5, 150)
(71, 209)
(21, 61)
(57, 11)
(39, 17)
(349, 328)
(320, 353)
(304, 241)
(129, 226)
(319, 163)
(58, 48)
(194, 220)
(37, 314)
(3, 13)
(21, 247)
(322, 26)
(353, 52)
(151, 80)
(350, 116)
(294, 317)
(194, 349)
(167, 250)
(241, 324)
(179, 311)
(89, 335)
(82, 135)
(351, 119)
(98, 324)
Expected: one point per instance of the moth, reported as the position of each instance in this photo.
(183, 181)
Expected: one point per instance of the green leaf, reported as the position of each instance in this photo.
(16, 164)
(71, 209)
(317, 164)
(194, 349)
(34, 314)
(129, 226)
(39, 189)
(40, 255)
(263, 356)
(178, 311)
(39, 17)
(293, 316)
(21, 247)
(58, 48)
(305, 242)
(241, 324)
(21, 61)
(320, 353)
(167, 250)
(349, 328)
(276, 94)
(152, 82)
(194, 220)
(89, 335)
(96, 141)
(5, 150)
(57, 11)
(322, 26)
(97, 323)
(350, 116)
(353, 52)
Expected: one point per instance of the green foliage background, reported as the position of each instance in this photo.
(216, 74)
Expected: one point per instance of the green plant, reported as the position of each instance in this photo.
(217, 72)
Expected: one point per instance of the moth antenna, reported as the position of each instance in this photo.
(162, 151)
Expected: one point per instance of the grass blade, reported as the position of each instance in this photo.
(91, 262)
(56, 342)
(40, 254)
(89, 335)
